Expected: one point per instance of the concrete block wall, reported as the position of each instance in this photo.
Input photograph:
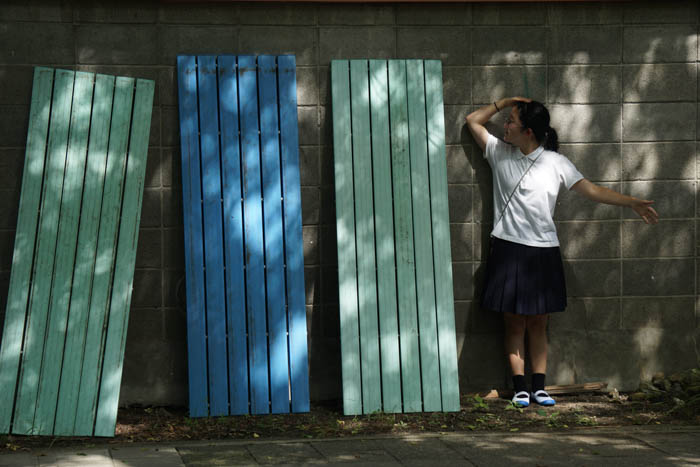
(620, 79)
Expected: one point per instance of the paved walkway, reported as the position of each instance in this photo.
(629, 446)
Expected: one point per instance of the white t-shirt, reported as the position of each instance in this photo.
(528, 217)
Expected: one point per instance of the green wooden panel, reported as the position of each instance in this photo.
(384, 228)
(25, 404)
(442, 258)
(125, 260)
(65, 254)
(345, 234)
(85, 260)
(364, 231)
(403, 233)
(25, 236)
(104, 260)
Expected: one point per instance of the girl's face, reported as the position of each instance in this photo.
(513, 127)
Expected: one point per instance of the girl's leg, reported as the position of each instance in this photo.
(514, 341)
(537, 340)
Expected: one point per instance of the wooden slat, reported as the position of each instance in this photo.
(65, 254)
(194, 249)
(296, 307)
(86, 254)
(104, 261)
(28, 218)
(345, 233)
(233, 236)
(254, 247)
(425, 280)
(213, 241)
(125, 260)
(25, 404)
(364, 231)
(274, 235)
(442, 258)
(403, 225)
(384, 225)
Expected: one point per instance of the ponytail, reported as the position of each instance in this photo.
(551, 139)
(534, 115)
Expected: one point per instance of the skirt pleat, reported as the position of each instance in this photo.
(524, 280)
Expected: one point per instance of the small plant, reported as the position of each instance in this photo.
(513, 406)
(479, 404)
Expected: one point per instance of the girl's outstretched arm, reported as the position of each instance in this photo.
(601, 194)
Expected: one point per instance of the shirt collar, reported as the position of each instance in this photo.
(532, 155)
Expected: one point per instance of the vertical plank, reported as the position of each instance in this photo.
(194, 250)
(345, 234)
(65, 254)
(85, 259)
(425, 281)
(28, 218)
(296, 304)
(233, 236)
(403, 224)
(125, 260)
(253, 221)
(441, 236)
(274, 241)
(364, 225)
(384, 225)
(104, 261)
(213, 241)
(25, 405)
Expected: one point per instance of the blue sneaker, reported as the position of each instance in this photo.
(542, 398)
(521, 399)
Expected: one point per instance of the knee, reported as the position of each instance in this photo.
(537, 324)
(515, 325)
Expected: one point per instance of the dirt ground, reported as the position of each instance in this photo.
(153, 424)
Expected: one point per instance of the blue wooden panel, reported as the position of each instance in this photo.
(213, 241)
(294, 251)
(253, 224)
(274, 236)
(233, 236)
(194, 250)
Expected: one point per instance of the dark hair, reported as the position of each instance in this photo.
(535, 116)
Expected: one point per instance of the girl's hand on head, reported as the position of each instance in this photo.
(645, 211)
(520, 99)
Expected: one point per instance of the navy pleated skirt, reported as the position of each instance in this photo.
(524, 280)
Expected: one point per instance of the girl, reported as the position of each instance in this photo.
(524, 271)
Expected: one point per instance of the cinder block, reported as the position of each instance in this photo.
(482, 244)
(148, 254)
(662, 12)
(166, 87)
(592, 278)
(277, 40)
(658, 277)
(462, 281)
(310, 236)
(592, 353)
(456, 131)
(308, 125)
(356, 14)
(54, 12)
(278, 13)
(151, 210)
(584, 84)
(671, 199)
(573, 206)
(329, 246)
(174, 249)
(447, 44)
(671, 314)
(11, 168)
(172, 206)
(309, 168)
(589, 240)
(147, 289)
(312, 285)
(482, 321)
(325, 125)
(460, 201)
(329, 285)
(324, 85)
(481, 363)
(171, 170)
(493, 83)
(326, 166)
(327, 209)
(669, 238)
(14, 121)
(174, 289)
(573, 317)
(658, 161)
(661, 350)
(601, 313)
(438, 14)
(199, 13)
(499, 14)
(9, 207)
(121, 12)
(585, 13)
(170, 126)
(461, 241)
(510, 46)
(457, 85)
(7, 245)
(153, 168)
(16, 84)
(36, 43)
(483, 203)
(195, 40)
(154, 136)
(597, 162)
(307, 86)
(310, 203)
(664, 83)
(459, 168)
(356, 42)
(599, 123)
(462, 316)
(585, 45)
(660, 44)
(116, 44)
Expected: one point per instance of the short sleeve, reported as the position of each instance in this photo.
(492, 147)
(569, 174)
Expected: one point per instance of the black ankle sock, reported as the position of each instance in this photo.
(537, 382)
(519, 383)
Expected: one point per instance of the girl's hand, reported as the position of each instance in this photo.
(645, 211)
(510, 101)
